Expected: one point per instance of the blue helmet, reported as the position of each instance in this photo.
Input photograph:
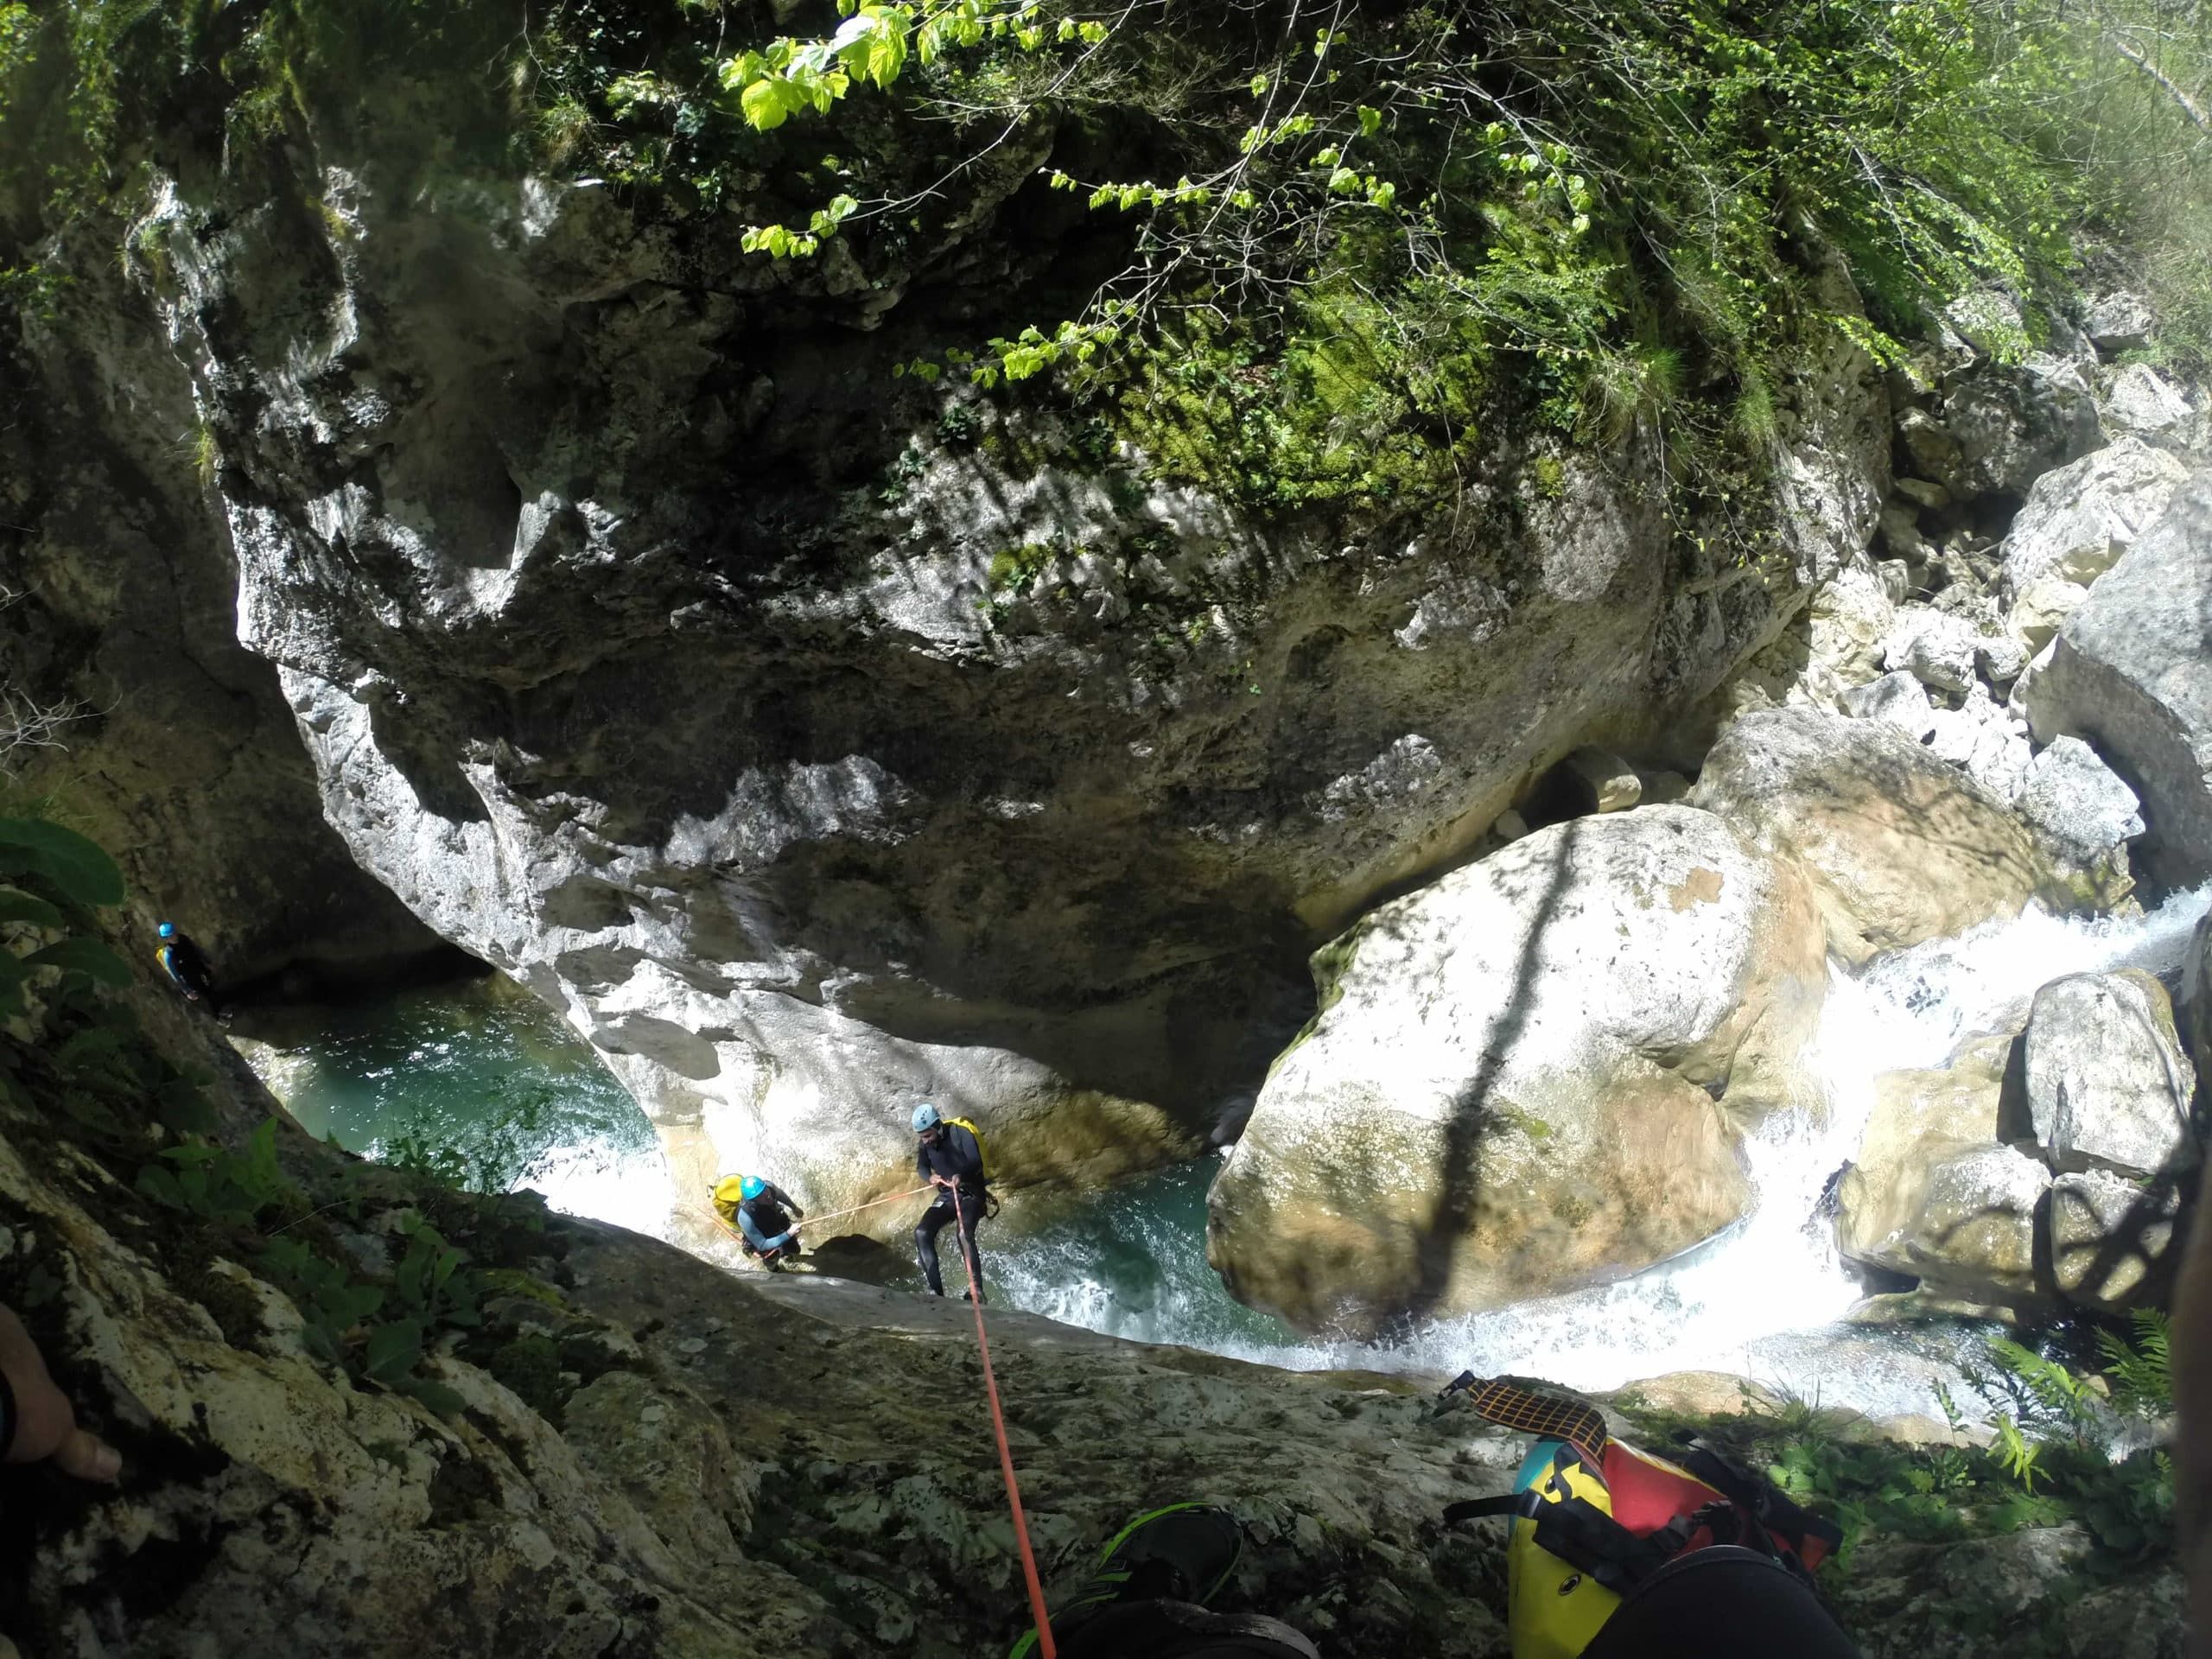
(166, 930)
(925, 1118)
(753, 1187)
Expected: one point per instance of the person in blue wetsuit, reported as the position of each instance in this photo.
(769, 1218)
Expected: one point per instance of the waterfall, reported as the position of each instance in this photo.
(1763, 1299)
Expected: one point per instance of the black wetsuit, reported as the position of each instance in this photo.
(774, 1213)
(189, 966)
(956, 1156)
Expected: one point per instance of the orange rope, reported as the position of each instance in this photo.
(809, 1221)
(1044, 1645)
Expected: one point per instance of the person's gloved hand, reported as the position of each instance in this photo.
(45, 1422)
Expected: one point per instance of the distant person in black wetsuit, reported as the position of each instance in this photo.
(187, 964)
(949, 1159)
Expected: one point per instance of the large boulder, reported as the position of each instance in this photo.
(1899, 847)
(2140, 400)
(2118, 321)
(1984, 739)
(2082, 810)
(1897, 697)
(2131, 672)
(2078, 519)
(1521, 1078)
(1932, 1192)
(1937, 648)
(2013, 424)
(2196, 994)
(1964, 1223)
(2109, 1086)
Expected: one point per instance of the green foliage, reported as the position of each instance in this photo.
(959, 426)
(378, 1333)
(77, 871)
(2140, 1371)
(1873, 1486)
(2045, 1389)
(1624, 214)
(231, 1189)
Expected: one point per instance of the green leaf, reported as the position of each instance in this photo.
(348, 1305)
(77, 866)
(393, 1348)
(19, 906)
(159, 1184)
(764, 106)
(321, 1341)
(436, 1396)
(82, 955)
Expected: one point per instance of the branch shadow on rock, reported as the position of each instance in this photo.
(1470, 1112)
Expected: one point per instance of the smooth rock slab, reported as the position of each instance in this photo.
(2107, 1082)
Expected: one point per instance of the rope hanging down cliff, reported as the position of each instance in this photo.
(1037, 1608)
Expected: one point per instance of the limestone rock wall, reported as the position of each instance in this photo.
(181, 756)
(818, 752)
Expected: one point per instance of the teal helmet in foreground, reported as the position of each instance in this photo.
(925, 1118)
(166, 930)
(752, 1186)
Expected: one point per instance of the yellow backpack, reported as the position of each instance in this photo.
(729, 1192)
(983, 1149)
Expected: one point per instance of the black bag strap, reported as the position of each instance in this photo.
(1522, 1505)
(1581, 1535)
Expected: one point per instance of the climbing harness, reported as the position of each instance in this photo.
(1596, 1521)
(1045, 1645)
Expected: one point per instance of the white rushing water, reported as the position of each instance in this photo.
(1763, 1299)
(607, 1180)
